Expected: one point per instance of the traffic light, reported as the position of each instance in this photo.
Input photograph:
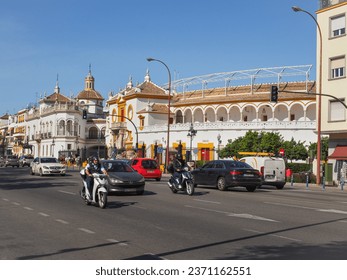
(274, 94)
(84, 114)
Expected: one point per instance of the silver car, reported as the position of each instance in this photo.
(11, 161)
(47, 166)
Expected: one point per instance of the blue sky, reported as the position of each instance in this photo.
(43, 38)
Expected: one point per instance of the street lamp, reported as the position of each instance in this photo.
(219, 139)
(149, 59)
(53, 144)
(319, 111)
(191, 133)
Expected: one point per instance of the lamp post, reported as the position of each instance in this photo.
(149, 59)
(319, 111)
(53, 144)
(219, 139)
(191, 133)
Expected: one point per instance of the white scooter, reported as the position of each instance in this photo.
(99, 189)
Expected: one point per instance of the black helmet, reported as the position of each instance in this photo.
(95, 158)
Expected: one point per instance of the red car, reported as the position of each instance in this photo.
(147, 167)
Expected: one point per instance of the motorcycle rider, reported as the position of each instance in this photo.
(93, 167)
(176, 167)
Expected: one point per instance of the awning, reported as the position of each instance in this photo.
(340, 153)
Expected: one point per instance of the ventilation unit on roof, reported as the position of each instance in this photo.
(325, 3)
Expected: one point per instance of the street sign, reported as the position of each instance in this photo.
(160, 150)
(195, 150)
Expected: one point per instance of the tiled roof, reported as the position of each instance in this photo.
(89, 94)
(56, 97)
(242, 94)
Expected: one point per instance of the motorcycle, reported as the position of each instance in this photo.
(99, 190)
(186, 184)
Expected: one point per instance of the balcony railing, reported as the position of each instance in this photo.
(269, 125)
(118, 125)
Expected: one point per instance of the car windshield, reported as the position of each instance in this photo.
(49, 160)
(117, 167)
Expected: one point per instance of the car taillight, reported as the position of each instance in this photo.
(235, 172)
(261, 171)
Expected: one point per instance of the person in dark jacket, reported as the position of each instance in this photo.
(93, 167)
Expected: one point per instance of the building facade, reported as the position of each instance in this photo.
(331, 18)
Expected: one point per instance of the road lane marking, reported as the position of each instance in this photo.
(16, 203)
(335, 211)
(86, 230)
(5, 199)
(116, 241)
(72, 193)
(28, 208)
(275, 235)
(207, 201)
(43, 214)
(62, 221)
(244, 216)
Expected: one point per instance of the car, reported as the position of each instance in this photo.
(122, 178)
(225, 174)
(25, 160)
(2, 161)
(47, 166)
(147, 167)
(11, 161)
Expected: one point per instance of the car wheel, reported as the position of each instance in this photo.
(31, 171)
(221, 184)
(251, 188)
(280, 187)
(158, 179)
(40, 172)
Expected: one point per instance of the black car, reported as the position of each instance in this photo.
(122, 178)
(226, 174)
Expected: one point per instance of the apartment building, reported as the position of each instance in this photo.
(331, 18)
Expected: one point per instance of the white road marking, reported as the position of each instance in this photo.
(28, 208)
(86, 230)
(310, 208)
(116, 241)
(43, 214)
(275, 235)
(245, 216)
(5, 199)
(62, 221)
(67, 192)
(207, 201)
(16, 203)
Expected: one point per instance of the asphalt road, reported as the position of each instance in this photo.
(44, 218)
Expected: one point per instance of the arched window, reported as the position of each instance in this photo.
(93, 133)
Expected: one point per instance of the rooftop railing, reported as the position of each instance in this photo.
(327, 3)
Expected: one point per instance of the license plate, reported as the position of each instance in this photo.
(150, 171)
(129, 190)
(248, 175)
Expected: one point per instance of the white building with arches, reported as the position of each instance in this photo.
(217, 114)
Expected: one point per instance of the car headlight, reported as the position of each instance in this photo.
(142, 180)
(45, 167)
(115, 181)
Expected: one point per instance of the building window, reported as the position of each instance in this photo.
(337, 67)
(292, 117)
(337, 112)
(338, 26)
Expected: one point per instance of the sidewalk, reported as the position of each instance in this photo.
(315, 187)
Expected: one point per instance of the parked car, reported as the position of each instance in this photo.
(147, 167)
(122, 178)
(2, 161)
(47, 166)
(273, 169)
(11, 161)
(25, 160)
(225, 174)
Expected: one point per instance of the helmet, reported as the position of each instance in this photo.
(95, 158)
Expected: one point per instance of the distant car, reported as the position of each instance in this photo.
(47, 166)
(225, 174)
(147, 167)
(2, 162)
(11, 161)
(122, 178)
(25, 160)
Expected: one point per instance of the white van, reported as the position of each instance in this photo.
(273, 169)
